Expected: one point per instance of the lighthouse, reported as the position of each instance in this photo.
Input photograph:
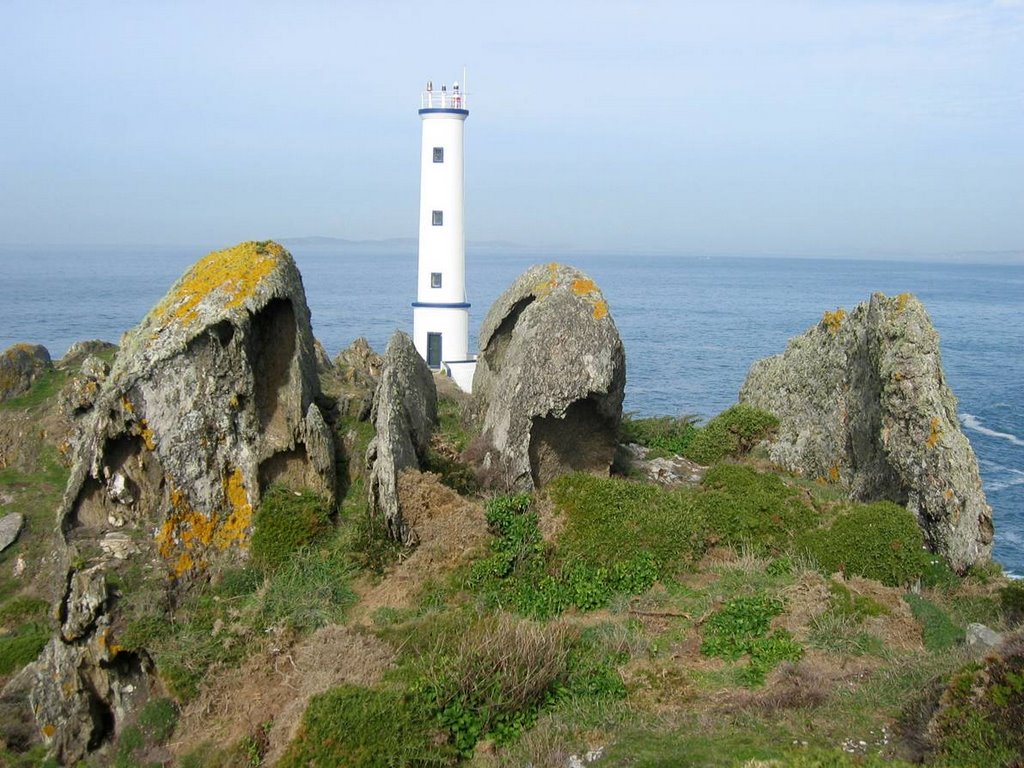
(440, 315)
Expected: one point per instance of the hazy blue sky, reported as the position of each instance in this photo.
(817, 127)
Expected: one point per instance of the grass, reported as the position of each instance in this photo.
(286, 521)
(732, 432)
(938, 630)
(664, 435)
(21, 647)
(42, 390)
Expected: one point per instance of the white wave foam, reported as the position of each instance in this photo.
(974, 423)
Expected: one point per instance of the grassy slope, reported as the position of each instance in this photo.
(688, 627)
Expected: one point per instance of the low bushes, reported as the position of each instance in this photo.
(735, 430)
(879, 541)
(741, 628)
(664, 435)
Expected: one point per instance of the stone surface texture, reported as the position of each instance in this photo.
(10, 526)
(404, 416)
(20, 366)
(549, 380)
(209, 401)
(863, 402)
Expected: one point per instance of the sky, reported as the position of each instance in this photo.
(780, 127)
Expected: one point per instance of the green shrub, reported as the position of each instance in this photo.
(309, 591)
(285, 521)
(879, 541)
(664, 435)
(743, 507)
(1011, 599)
(939, 632)
(937, 574)
(734, 431)
(610, 520)
(365, 728)
(741, 628)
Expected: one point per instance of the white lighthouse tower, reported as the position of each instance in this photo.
(440, 315)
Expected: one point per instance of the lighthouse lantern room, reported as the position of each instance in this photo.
(441, 312)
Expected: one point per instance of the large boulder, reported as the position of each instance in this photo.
(549, 380)
(210, 400)
(862, 402)
(404, 416)
(20, 367)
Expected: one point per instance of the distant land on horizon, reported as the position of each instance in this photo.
(995, 258)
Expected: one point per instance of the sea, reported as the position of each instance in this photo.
(691, 325)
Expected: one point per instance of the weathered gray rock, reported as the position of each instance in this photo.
(549, 379)
(982, 639)
(862, 401)
(358, 362)
(79, 395)
(80, 350)
(20, 366)
(210, 400)
(404, 416)
(10, 526)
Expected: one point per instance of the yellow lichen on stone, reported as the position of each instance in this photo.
(544, 287)
(126, 404)
(49, 729)
(902, 300)
(949, 494)
(233, 274)
(833, 473)
(582, 286)
(600, 309)
(935, 433)
(834, 320)
(235, 529)
(148, 436)
(183, 533)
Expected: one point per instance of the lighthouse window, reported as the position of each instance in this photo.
(438, 154)
(438, 218)
(435, 279)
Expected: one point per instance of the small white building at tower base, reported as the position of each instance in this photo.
(441, 310)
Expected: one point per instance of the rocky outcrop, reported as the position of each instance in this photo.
(210, 400)
(404, 415)
(862, 401)
(20, 367)
(10, 526)
(549, 380)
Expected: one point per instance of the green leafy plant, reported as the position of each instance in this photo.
(1011, 599)
(741, 628)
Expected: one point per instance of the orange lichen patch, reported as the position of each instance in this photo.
(834, 320)
(148, 436)
(600, 309)
(582, 286)
(902, 300)
(949, 494)
(232, 274)
(544, 287)
(235, 529)
(935, 434)
(183, 532)
(127, 405)
(833, 473)
(49, 729)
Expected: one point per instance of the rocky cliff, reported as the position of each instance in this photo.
(863, 402)
(210, 400)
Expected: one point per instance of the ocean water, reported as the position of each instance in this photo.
(691, 326)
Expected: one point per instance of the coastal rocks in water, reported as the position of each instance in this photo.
(210, 400)
(862, 401)
(20, 366)
(10, 527)
(404, 415)
(549, 380)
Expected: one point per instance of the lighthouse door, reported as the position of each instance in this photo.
(434, 350)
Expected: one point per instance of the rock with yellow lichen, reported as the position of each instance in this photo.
(549, 380)
(862, 401)
(209, 401)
